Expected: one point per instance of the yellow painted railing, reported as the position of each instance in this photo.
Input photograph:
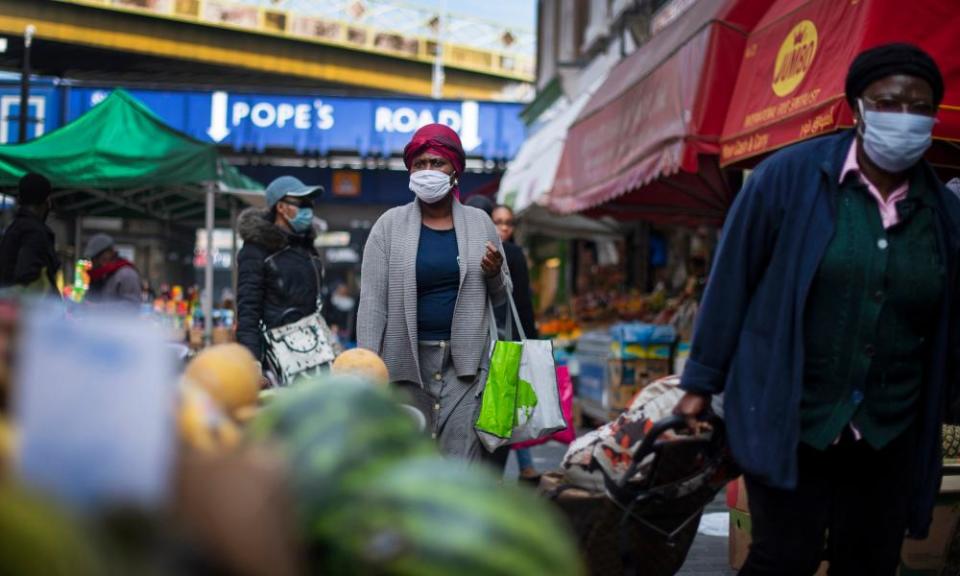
(251, 18)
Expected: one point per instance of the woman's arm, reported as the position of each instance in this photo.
(374, 273)
(499, 284)
(749, 235)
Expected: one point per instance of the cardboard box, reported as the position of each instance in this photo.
(620, 398)
(739, 541)
(929, 556)
(636, 371)
(737, 495)
(196, 338)
(646, 351)
(925, 557)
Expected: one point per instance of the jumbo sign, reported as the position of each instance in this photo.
(794, 58)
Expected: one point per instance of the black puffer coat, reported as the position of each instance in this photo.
(280, 276)
(27, 248)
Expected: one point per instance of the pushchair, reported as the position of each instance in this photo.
(646, 527)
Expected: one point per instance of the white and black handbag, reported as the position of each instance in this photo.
(301, 347)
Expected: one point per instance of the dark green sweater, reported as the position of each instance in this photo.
(869, 318)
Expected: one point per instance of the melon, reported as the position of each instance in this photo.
(433, 516)
(362, 363)
(332, 428)
(373, 496)
(228, 373)
(203, 425)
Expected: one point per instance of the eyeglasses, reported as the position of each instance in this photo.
(893, 105)
(298, 202)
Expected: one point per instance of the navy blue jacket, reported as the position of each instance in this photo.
(748, 340)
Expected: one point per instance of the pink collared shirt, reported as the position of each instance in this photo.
(888, 207)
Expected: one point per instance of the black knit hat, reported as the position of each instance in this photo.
(33, 189)
(889, 60)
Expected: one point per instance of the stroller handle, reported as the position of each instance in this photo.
(662, 426)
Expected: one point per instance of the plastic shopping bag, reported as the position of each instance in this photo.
(538, 374)
(499, 404)
(568, 434)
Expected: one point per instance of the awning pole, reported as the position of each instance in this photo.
(208, 272)
(77, 245)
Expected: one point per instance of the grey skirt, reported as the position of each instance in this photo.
(451, 404)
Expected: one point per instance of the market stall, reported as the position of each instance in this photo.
(644, 151)
(792, 86)
(121, 160)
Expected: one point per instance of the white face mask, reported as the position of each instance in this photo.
(342, 303)
(430, 186)
(893, 140)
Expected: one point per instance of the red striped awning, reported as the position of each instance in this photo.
(646, 144)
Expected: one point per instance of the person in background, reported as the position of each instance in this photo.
(831, 322)
(280, 276)
(112, 278)
(147, 293)
(341, 311)
(429, 270)
(502, 217)
(28, 257)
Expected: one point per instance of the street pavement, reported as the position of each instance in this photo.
(709, 554)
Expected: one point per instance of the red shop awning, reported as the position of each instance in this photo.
(653, 128)
(790, 86)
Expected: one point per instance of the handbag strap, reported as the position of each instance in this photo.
(516, 321)
(319, 284)
(516, 318)
(492, 323)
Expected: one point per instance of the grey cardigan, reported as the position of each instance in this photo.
(387, 317)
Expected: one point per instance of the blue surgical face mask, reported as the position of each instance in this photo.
(302, 221)
(895, 141)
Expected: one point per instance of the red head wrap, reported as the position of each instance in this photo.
(436, 139)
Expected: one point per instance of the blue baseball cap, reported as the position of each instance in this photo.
(289, 186)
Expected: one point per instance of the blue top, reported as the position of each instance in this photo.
(438, 282)
(749, 337)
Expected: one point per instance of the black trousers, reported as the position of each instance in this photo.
(850, 497)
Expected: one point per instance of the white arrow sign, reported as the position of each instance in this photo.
(470, 125)
(218, 116)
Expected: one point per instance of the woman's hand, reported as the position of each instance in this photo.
(492, 261)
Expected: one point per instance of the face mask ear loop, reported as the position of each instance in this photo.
(861, 126)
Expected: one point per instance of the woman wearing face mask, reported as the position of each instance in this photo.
(280, 275)
(430, 269)
(831, 323)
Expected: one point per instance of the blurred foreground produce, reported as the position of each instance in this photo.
(374, 497)
(229, 373)
(238, 509)
(336, 430)
(219, 389)
(38, 538)
(362, 363)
